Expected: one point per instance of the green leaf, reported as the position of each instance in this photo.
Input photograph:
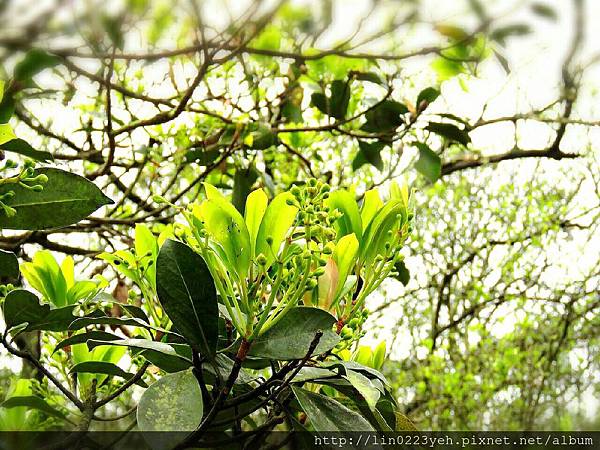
(227, 227)
(187, 293)
(6, 133)
(450, 131)
(371, 205)
(94, 319)
(9, 265)
(340, 98)
(350, 221)
(348, 366)
(291, 112)
(32, 402)
(517, 29)
(45, 275)
(202, 156)
(368, 153)
(256, 205)
(259, 136)
(105, 368)
(23, 148)
(376, 234)
(33, 63)
(319, 101)
(243, 179)
(313, 373)
(403, 273)
(446, 68)
(365, 387)
(429, 163)
(81, 338)
(379, 355)
(290, 337)
(21, 306)
(277, 220)
(370, 76)
(7, 107)
(545, 11)
(142, 344)
(328, 415)
(66, 199)
(385, 117)
(173, 403)
(168, 363)
(345, 254)
(427, 95)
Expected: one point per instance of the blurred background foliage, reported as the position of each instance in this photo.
(488, 109)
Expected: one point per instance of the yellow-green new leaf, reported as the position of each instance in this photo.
(227, 227)
(256, 205)
(345, 254)
(278, 218)
(6, 133)
(350, 221)
(371, 204)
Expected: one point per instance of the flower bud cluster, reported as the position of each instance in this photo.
(352, 331)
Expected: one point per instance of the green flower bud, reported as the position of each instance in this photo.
(159, 199)
(320, 271)
(261, 259)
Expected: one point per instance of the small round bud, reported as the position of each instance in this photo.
(159, 199)
(319, 272)
(261, 259)
(37, 188)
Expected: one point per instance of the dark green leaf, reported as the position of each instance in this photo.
(429, 163)
(83, 322)
(326, 414)
(202, 156)
(340, 98)
(290, 338)
(33, 63)
(81, 338)
(21, 306)
(369, 152)
(545, 11)
(66, 199)
(291, 112)
(319, 101)
(243, 179)
(32, 402)
(168, 363)
(450, 131)
(502, 33)
(260, 136)
(369, 76)
(112, 26)
(173, 350)
(352, 365)
(364, 386)
(385, 117)
(427, 95)
(105, 368)
(7, 107)
(9, 265)
(173, 403)
(23, 148)
(187, 293)
(403, 273)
